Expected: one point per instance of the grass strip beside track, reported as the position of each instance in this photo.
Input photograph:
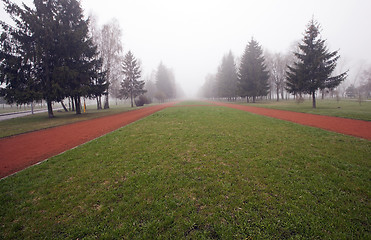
(343, 108)
(197, 173)
(41, 121)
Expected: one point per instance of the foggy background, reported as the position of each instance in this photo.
(192, 36)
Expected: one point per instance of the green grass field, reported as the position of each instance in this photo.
(343, 108)
(41, 121)
(196, 173)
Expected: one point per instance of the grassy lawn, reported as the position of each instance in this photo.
(192, 102)
(343, 108)
(196, 173)
(8, 109)
(41, 121)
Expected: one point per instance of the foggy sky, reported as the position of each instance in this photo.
(191, 36)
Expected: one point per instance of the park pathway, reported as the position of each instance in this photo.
(356, 128)
(24, 150)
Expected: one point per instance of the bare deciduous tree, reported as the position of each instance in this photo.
(276, 64)
(111, 50)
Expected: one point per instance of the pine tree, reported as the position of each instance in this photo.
(314, 65)
(131, 86)
(227, 77)
(253, 75)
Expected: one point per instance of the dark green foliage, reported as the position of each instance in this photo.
(16, 72)
(48, 55)
(253, 75)
(314, 66)
(131, 86)
(227, 77)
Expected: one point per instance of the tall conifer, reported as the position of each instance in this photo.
(253, 75)
(131, 86)
(314, 66)
(227, 77)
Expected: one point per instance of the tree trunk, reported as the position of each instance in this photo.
(64, 107)
(253, 99)
(314, 99)
(278, 93)
(131, 99)
(73, 103)
(78, 105)
(50, 109)
(32, 107)
(106, 102)
(99, 102)
(247, 99)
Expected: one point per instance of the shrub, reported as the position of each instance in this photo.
(141, 100)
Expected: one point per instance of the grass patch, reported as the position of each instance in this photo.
(196, 173)
(41, 120)
(9, 109)
(192, 102)
(343, 108)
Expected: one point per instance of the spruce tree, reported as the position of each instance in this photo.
(50, 50)
(314, 66)
(227, 77)
(131, 86)
(253, 75)
(30, 53)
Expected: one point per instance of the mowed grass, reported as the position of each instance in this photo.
(40, 121)
(193, 103)
(196, 173)
(343, 108)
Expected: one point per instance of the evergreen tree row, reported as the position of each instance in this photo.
(311, 70)
(49, 54)
(249, 81)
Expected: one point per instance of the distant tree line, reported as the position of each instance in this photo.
(363, 90)
(162, 85)
(308, 71)
(250, 80)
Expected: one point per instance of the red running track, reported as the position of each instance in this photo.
(21, 151)
(357, 128)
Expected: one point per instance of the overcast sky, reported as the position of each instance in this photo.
(191, 36)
